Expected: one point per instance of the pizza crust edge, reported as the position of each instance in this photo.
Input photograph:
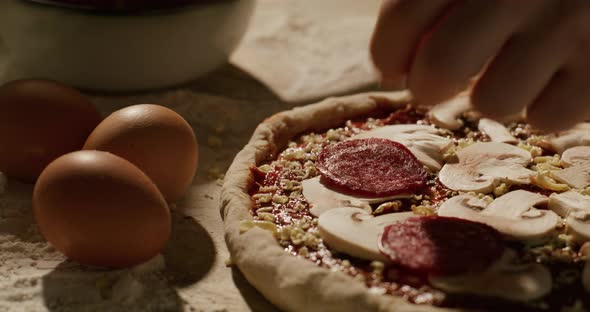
(291, 283)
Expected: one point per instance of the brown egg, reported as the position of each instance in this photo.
(154, 138)
(99, 209)
(41, 120)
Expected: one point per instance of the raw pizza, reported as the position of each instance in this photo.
(366, 203)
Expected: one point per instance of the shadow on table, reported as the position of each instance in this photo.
(151, 286)
(190, 255)
(253, 297)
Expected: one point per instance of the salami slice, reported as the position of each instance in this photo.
(441, 245)
(372, 167)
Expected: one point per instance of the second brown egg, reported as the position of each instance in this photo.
(154, 138)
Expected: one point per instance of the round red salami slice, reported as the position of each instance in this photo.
(441, 245)
(372, 167)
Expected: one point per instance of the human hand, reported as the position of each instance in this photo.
(532, 55)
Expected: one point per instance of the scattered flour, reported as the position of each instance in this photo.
(35, 277)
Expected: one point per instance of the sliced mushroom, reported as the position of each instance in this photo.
(577, 136)
(577, 173)
(577, 176)
(484, 165)
(321, 198)
(585, 253)
(496, 131)
(355, 232)
(576, 155)
(513, 214)
(575, 208)
(505, 279)
(447, 114)
(424, 141)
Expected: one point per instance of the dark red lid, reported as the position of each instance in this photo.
(121, 5)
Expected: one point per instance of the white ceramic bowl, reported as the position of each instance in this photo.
(118, 52)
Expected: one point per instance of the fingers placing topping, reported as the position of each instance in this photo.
(441, 246)
(400, 27)
(372, 167)
(524, 66)
(564, 102)
(463, 41)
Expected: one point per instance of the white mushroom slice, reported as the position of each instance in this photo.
(322, 198)
(496, 131)
(577, 173)
(585, 253)
(577, 136)
(484, 165)
(513, 214)
(504, 279)
(446, 114)
(577, 176)
(576, 155)
(575, 208)
(422, 140)
(355, 231)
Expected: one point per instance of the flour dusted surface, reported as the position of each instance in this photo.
(35, 277)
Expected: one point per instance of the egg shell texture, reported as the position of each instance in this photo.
(41, 120)
(100, 210)
(154, 138)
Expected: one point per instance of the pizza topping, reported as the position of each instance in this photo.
(440, 245)
(577, 171)
(577, 176)
(577, 136)
(424, 141)
(504, 279)
(447, 114)
(355, 231)
(576, 155)
(311, 216)
(575, 208)
(496, 131)
(247, 225)
(323, 198)
(372, 167)
(513, 214)
(484, 165)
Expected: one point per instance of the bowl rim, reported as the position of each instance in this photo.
(111, 9)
